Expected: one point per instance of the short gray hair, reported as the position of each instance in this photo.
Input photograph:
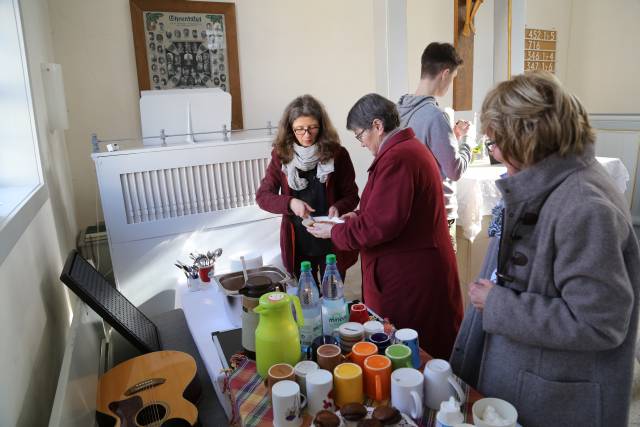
(370, 107)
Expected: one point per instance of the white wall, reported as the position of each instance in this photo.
(597, 50)
(100, 79)
(286, 48)
(34, 310)
(291, 47)
(427, 21)
(538, 16)
(603, 61)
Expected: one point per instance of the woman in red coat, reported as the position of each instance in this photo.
(309, 172)
(408, 264)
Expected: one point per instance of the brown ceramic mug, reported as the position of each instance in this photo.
(280, 372)
(329, 356)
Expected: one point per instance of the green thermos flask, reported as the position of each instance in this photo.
(277, 335)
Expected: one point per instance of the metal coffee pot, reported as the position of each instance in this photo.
(254, 288)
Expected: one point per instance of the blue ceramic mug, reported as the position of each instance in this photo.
(409, 337)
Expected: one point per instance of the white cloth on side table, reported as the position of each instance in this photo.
(477, 193)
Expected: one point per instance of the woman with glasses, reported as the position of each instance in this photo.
(559, 322)
(310, 173)
(409, 267)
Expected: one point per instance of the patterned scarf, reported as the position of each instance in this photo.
(305, 159)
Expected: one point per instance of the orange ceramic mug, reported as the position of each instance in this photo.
(361, 350)
(377, 377)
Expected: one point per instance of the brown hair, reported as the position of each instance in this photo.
(327, 139)
(437, 57)
(532, 116)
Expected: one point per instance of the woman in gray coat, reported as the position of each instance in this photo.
(557, 329)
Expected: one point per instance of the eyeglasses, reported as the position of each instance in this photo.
(359, 135)
(489, 144)
(302, 130)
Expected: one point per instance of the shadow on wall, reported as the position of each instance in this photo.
(47, 358)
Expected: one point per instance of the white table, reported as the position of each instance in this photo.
(207, 311)
(477, 193)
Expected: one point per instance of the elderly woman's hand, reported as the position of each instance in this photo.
(478, 292)
(320, 230)
(348, 216)
(333, 212)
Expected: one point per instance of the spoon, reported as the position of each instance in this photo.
(244, 270)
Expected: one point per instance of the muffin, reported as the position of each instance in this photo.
(353, 411)
(326, 419)
(369, 423)
(387, 415)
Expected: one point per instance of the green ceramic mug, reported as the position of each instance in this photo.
(400, 356)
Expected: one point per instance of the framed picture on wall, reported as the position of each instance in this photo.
(185, 45)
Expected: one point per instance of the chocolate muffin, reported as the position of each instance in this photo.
(353, 411)
(387, 415)
(369, 423)
(326, 419)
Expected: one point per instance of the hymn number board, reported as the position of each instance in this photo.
(540, 50)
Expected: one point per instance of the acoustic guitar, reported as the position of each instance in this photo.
(153, 390)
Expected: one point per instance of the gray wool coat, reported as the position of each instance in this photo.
(557, 334)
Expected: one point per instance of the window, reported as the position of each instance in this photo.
(22, 189)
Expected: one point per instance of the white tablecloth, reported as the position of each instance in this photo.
(207, 311)
(477, 192)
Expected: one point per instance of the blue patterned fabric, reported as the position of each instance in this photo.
(495, 226)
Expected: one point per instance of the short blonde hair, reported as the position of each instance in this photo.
(532, 116)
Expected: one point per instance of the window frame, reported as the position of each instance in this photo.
(22, 213)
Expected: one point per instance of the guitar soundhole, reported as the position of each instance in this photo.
(151, 414)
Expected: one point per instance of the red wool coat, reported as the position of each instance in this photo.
(274, 195)
(408, 264)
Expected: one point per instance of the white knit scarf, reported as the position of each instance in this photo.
(305, 159)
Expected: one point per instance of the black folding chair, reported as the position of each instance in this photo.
(168, 331)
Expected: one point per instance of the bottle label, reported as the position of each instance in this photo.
(312, 328)
(333, 319)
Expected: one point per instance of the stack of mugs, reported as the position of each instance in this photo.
(360, 361)
(350, 333)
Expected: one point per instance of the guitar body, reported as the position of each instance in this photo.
(153, 390)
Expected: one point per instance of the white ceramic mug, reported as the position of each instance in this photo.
(287, 404)
(319, 387)
(440, 384)
(372, 327)
(407, 391)
(302, 369)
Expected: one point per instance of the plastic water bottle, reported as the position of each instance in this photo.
(311, 306)
(334, 307)
(292, 289)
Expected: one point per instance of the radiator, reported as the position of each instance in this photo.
(160, 203)
(157, 194)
